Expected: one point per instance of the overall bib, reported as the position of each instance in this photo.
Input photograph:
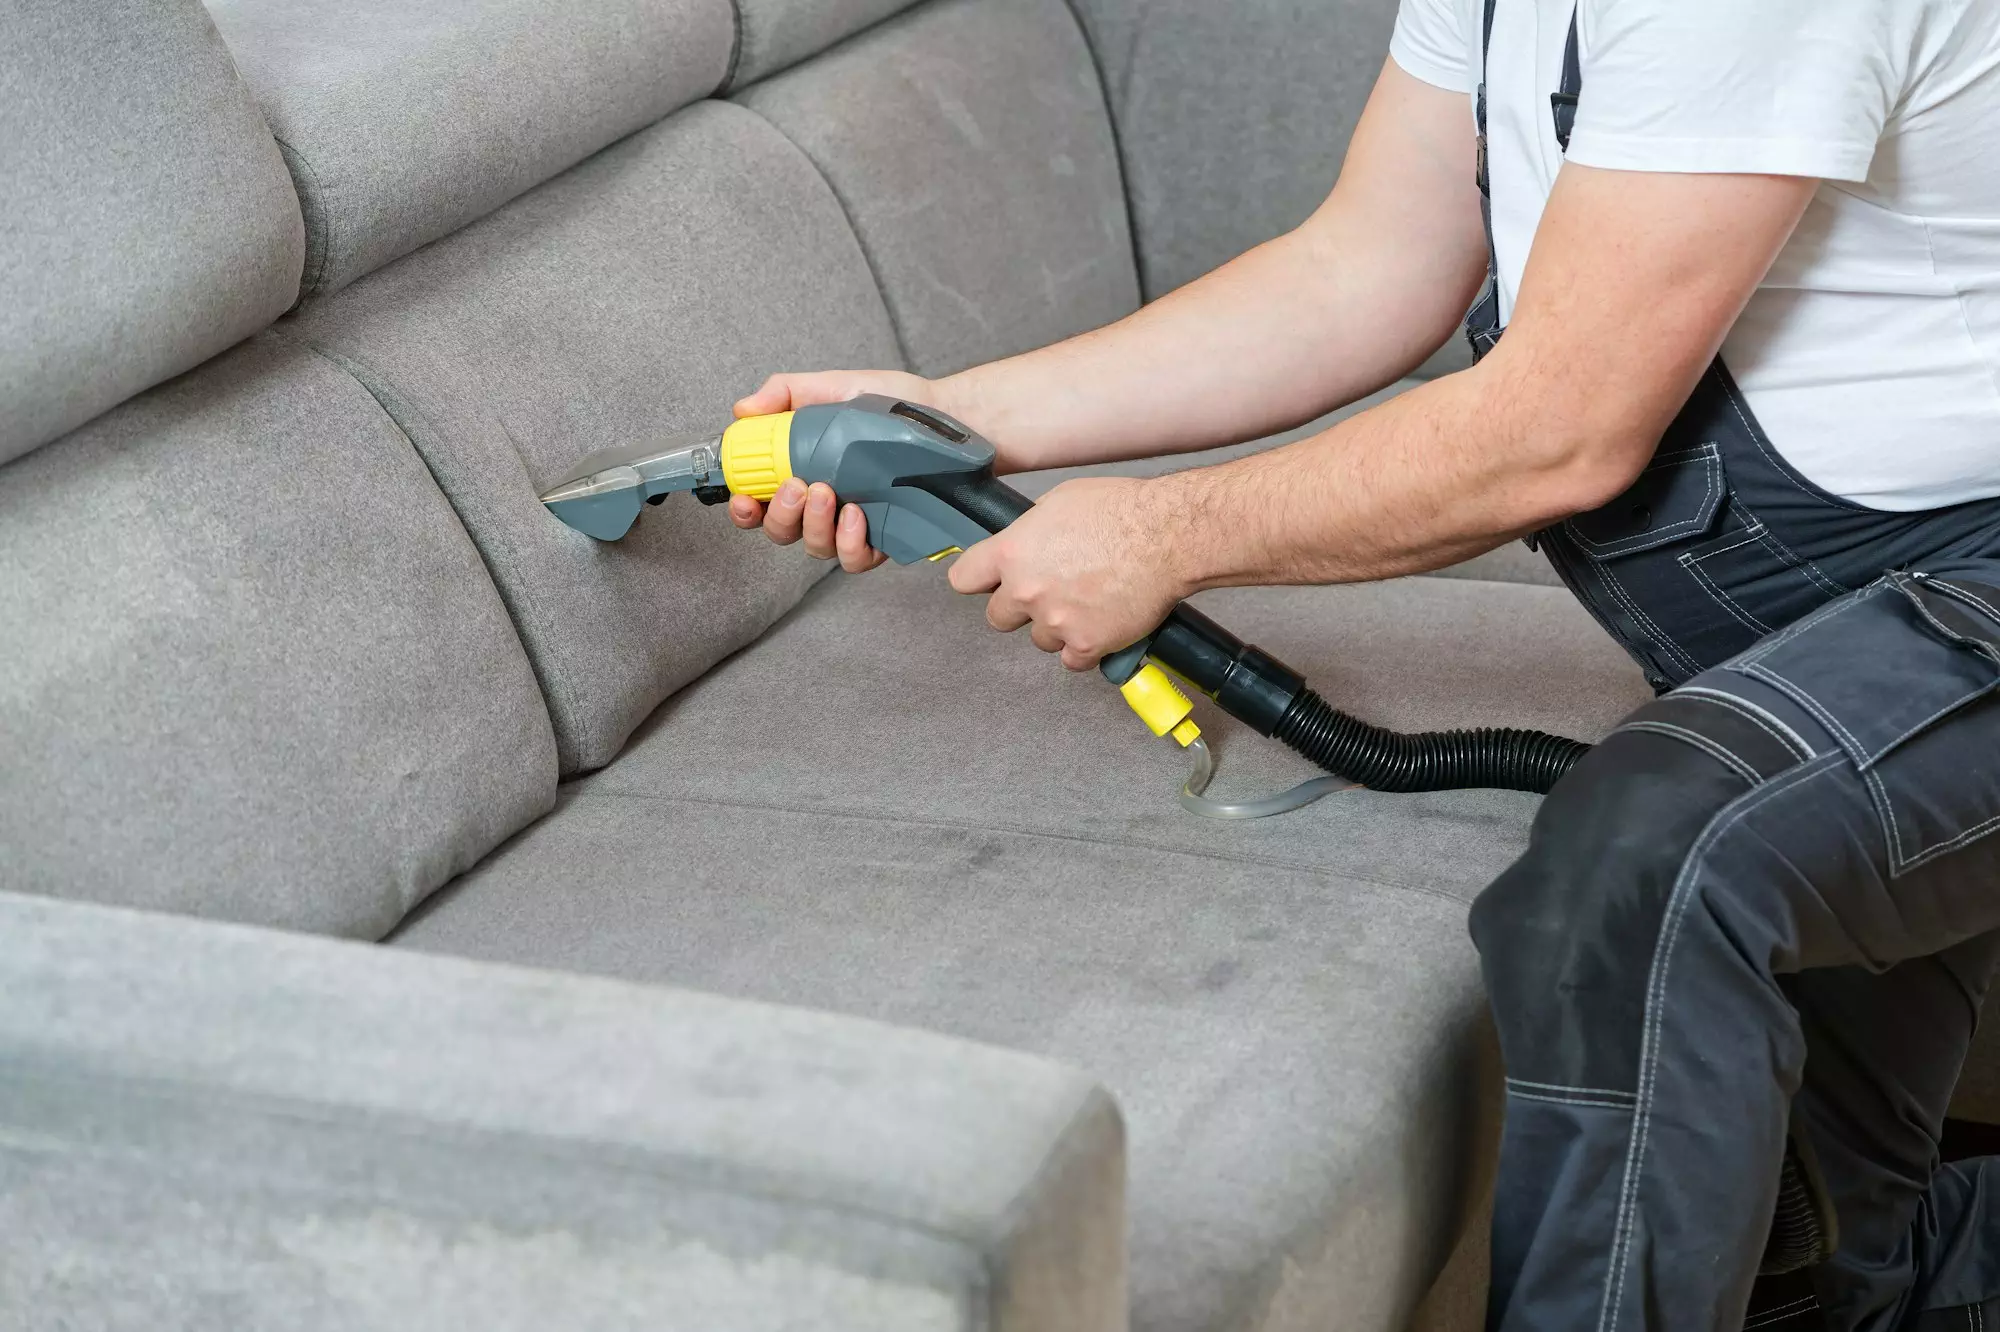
(1738, 968)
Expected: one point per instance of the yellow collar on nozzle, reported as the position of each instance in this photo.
(757, 455)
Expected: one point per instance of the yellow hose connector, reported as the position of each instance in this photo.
(1161, 705)
(757, 455)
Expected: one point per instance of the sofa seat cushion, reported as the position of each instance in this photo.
(403, 122)
(209, 1128)
(885, 809)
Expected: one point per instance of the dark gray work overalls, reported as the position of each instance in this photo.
(1751, 935)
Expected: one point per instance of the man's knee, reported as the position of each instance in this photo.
(1566, 936)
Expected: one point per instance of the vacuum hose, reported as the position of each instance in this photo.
(1258, 689)
(1429, 761)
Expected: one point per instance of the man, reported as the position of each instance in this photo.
(1751, 935)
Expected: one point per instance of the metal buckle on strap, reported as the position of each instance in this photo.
(1479, 173)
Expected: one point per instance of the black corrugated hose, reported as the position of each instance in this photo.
(1426, 761)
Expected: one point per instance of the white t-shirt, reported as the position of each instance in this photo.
(1871, 353)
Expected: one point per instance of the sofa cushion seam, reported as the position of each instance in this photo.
(722, 89)
(519, 603)
(854, 230)
(315, 198)
(1118, 155)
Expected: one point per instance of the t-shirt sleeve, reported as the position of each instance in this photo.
(1782, 87)
(1429, 44)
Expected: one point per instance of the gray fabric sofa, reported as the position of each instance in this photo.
(704, 942)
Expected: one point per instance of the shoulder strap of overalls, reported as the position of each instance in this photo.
(1482, 321)
(1563, 101)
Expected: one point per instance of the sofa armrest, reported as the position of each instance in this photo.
(207, 1125)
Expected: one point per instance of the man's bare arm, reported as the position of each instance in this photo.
(1633, 282)
(1350, 301)
(1354, 298)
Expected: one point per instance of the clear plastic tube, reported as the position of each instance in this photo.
(1284, 802)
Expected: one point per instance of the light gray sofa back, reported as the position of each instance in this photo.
(1233, 117)
(146, 221)
(251, 666)
(968, 142)
(296, 642)
(939, 189)
(403, 122)
(631, 298)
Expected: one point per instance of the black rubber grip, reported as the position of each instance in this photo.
(980, 496)
(1246, 682)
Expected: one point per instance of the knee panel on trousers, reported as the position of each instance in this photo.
(1566, 936)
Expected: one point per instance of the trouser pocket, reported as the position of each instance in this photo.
(1680, 572)
(1903, 674)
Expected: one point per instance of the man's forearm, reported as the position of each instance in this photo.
(1274, 339)
(1560, 418)
(1349, 302)
(1434, 476)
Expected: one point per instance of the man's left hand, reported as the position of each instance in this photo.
(1089, 568)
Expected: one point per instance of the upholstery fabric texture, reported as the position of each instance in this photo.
(969, 143)
(883, 808)
(402, 123)
(1233, 118)
(229, 1128)
(148, 221)
(253, 668)
(633, 298)
(774, 34)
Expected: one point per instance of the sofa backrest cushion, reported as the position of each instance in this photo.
(970, 144)
(632, 298)
(1233, 117)
(775, 34)
(251, 666)
(146, 221)
(402, 122)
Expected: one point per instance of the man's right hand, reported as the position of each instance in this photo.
(814, 514)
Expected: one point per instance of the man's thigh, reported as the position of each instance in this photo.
(1841, 780)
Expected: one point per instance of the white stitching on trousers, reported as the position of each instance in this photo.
(1805, 1304)
(1635, 1150)
(1552, 1099)
(1660, 637)
(1570, 1087)
(1713, 748)
(1779, 731)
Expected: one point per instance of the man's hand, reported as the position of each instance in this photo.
(814, 513)
(1089, 567)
